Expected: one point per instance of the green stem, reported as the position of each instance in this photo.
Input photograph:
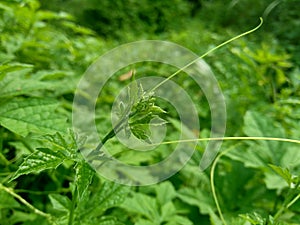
(212, 172)
(27, 204)
(293, 201)
(207, 53)
(116, 129)
(108, 136)
(73, 205)
(212, 185)
(229, 139)
(288, 201)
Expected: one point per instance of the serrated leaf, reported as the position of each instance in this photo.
(60, 202)
(168, 211)
(40, 160)
(110, 195)
(259, 125)
(283, 172)
(179, 220)
(196, 197)
(23, 116)
(260, 153)
(84, 175)
(63, 142)
(14, 81)
(143, 205)
(165, 192)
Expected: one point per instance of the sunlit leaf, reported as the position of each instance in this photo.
(41, 159)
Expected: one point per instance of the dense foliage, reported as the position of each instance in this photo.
(45, 47)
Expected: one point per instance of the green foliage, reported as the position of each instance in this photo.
(159, 210)
(43, 176)
(137, 17)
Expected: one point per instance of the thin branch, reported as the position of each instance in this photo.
(31, 207)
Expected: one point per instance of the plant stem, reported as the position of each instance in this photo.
(108, 136)
(31, 207)
(212, 185)
(286, 205)
(73, 205)
(293, 201)
(288, 201)
(207, 53)
(229, 139)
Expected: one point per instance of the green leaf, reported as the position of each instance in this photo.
(143, 205)
(144, 222)
(168, 211)
(196, 197)
(260, 125)
(23, 116)
(110, 195)
(284, 173)
(260, 153)
(16, 81)
(165, 192)
(179, 220)
(40, 160)
(108, 220)
(141, 131)
(63, 142)
(7, 201)
(60, 202)
(254, 218)
(84, 175)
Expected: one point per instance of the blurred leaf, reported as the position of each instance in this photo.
(144, 205)
(60, 202)
(196, 197)
(7, 201)
(283, 173)
(16, 81)
(165, 192)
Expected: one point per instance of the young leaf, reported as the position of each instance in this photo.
(23, 116)
(84, 175)
(66, 143)
(40, 160)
